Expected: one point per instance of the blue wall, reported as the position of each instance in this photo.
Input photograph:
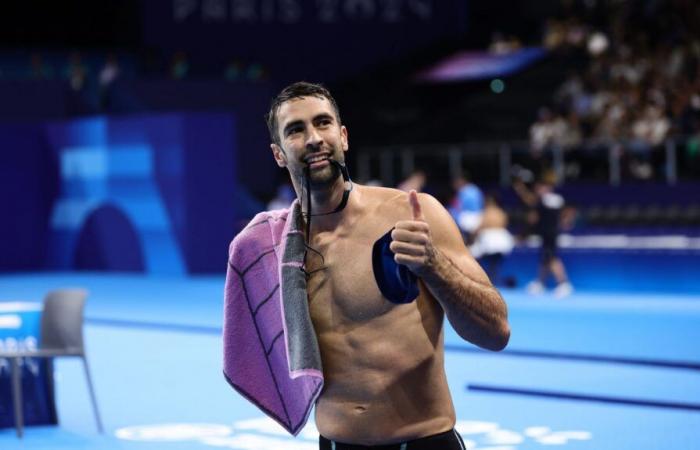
(28, 188)
(154, 193)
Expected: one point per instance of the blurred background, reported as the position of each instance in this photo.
(133, 148)
(144, 120)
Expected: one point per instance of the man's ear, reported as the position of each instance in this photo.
(344, 137)
(279, 155)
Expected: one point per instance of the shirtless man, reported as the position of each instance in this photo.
(492, 241)
(383, 362)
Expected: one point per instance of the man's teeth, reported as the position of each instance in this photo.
(316, 159)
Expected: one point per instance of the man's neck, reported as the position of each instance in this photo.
(323, 202)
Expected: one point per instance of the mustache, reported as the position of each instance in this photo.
(329, 154)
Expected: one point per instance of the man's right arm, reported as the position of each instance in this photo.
(432, 248)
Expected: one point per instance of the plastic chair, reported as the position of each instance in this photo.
(61, 335)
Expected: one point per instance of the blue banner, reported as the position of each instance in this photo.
(157, 193)
(292, 37)
(19, 330)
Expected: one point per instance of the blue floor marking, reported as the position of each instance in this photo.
(198, 329)
(580, 357)
(583, 397)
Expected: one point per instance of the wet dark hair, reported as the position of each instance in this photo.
(296, 90)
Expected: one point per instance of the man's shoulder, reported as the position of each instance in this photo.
(394, 202)
(383, 199)
(380, 194)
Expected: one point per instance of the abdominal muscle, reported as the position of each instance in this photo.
(385, 379)
(383, 364)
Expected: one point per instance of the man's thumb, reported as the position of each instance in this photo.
(415, 206)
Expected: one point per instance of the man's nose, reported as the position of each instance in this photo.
(314, 138)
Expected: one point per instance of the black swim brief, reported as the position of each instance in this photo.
(449, 440)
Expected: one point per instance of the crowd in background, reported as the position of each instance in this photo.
(639, 86)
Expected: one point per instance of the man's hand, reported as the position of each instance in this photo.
(412, 242)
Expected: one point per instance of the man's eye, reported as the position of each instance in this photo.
(294, 130)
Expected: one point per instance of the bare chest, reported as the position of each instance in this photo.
(342, 290)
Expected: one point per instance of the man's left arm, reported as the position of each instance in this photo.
(431, 246)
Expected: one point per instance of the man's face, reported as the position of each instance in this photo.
(309, 135)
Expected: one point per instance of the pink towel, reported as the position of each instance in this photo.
(271, 353)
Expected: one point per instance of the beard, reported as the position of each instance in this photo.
(323, 178)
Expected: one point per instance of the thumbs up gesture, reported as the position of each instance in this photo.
(412, 242)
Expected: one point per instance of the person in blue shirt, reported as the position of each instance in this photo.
(467, 207)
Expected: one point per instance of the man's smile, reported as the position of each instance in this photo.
(317, 160)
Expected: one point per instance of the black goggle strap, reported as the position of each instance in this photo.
(343, 202)
(305, 184)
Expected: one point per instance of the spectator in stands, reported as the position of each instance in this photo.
(109, 73)
(76, 72)
(649, 130)
(554, 131)
(502, 44)
(571, 135)
(613, 121)
(542, 131)
(467, 206)
(570, 90)
(548, 206)
(642, 70)
(493, 242)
